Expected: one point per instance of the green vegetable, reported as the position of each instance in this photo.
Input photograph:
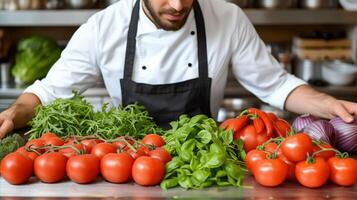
(34, 57)
(10, 144)
(203, 155)
(76, 116)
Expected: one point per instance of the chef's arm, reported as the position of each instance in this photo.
(18, 114)
(304, 99)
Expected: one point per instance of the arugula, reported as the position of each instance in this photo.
(75, 116)
(203, 155)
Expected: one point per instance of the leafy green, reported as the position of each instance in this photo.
(34, 57)
(10, 144)
(203, 155)
(76, 116)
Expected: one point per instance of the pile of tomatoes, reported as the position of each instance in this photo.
(254, 127)
(51, 159)
(298, 158)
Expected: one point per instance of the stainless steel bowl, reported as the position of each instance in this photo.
(55, 4)
(275, 4)
(80, 4)
(319, 4)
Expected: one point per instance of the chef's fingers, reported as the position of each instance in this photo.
(6, 126)
(344, 110)
(350, 106)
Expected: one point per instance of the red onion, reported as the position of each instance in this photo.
(303, 120)
(321, 130)
(346, 134)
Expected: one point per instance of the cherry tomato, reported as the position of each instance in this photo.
(102, 149)
(139, 152)
(343, 171)
(116, 168)
(148, 171)
(50, 167)
(146, 149)
(291, 166)
(16, 168)
(271, 147)
(48, 135)
(89, 144)
(83, 168)
(30, 154)
(36, 143)
(253, 157)
(296, 147)
(154, 140)
(161, 154)
(122, 144)
(54, 141)
(70, 151)
(270, 173)
(312, 175)
(325, 154)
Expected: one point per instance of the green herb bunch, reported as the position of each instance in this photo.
(10, 144)
(203, 155)
(75, 116)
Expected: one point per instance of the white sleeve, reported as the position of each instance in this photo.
(76, 69)
(257, 70)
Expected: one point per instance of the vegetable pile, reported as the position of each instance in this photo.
(299, 158)
(76, 116)
(203, 155)
(10, 144)
(51, 158)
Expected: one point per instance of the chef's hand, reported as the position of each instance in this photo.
(19, 113)
(6, 124)
(305, 99)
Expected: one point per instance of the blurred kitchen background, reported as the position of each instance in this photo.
(314, 39)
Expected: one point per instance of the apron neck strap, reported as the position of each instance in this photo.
(201, 40)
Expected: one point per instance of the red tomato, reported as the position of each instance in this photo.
(122, 144)
(148, 171)
(70, 151)
(160, 154)
(48, 135)
(116, 168)
(312, 175)
(253, 157)
(83, 168)
(145, 148)
(50, 167)
(36, 143)
(343, 171)
(296, 147)
(249, 136)
(271, 147)
(89, 144)
(54, 141)
(16, 168)
(291, 166)
(139, 152)
(325, 154)
(102, 149)
(270, 173)
(30, 154)
(154, 140)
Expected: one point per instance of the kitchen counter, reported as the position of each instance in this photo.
(104, 190)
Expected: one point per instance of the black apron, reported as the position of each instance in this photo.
(166, 102)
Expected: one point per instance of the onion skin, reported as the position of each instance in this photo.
(321, 130)
(302, 121)
(345, 134)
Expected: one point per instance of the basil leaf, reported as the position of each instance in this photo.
(227, 137)
(204, 136)
(169, 183)
(175, 163)
(187, 150)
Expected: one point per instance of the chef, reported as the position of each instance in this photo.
(171, 56)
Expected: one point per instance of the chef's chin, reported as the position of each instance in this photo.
(171, 25)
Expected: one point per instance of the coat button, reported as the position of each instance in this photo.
(192, 32)
(189, 64)
(144, 67)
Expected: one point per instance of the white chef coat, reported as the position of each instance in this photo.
(162, 57)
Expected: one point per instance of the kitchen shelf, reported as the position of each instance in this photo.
(257, 16)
